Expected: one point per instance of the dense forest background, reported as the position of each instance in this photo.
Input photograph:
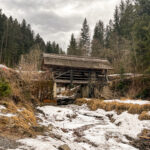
(18, 39)
(125, 41)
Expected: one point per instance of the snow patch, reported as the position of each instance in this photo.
(140, 102)
(3, 67)
(5, 115)
(2, 107)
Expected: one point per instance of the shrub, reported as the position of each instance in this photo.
(5, 89)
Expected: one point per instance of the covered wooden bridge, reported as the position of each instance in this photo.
(76, 70)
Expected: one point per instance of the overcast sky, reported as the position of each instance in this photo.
(55, 20)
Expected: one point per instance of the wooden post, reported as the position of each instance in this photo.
(55, 90)
(71, 77)
(106, 77)
(89, 84)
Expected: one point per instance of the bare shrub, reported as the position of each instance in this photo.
(30, 64)
(134, 89)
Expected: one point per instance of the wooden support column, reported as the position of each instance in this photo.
(71, 77)
(55, 90)
(106, 77)
(89, 83)
(89, 77)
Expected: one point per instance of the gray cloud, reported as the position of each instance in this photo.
(57, 19)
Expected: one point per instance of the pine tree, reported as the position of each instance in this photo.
(122, 8)
(116, 20)
(53, 48)
(49, 48)
(72, 49)
(40, 42)
(57, 49)
(84, 43)
(142, 35)
(98, 40)
(108, 34)
(127, 18)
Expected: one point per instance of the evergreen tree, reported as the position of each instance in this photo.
(108, 34)
(53, 48)
(142, 35)
(84, 43)
(122, 8)
(39, 42)
(98, 40)
(49, 48)
(72, 49)
(116, 20)
(127, 17)
(57, 49)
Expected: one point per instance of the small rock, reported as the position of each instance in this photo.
(38, 128)
(64, 147)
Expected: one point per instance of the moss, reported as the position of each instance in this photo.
(5, 89)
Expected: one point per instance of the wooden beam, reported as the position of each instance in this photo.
(68, 82)
(61, 74)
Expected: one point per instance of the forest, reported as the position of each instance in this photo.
(17, 39)
(125, 41)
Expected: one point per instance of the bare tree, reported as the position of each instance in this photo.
(30, 64)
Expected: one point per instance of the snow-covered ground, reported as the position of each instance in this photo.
(140, 102)
(82, 129)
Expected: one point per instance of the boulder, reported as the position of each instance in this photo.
(64, 147)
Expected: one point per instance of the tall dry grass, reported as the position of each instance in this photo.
(144, 116)
(118, 107)
(22, 121)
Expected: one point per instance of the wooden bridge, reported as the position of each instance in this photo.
(76, 70)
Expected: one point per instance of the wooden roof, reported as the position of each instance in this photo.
(75, 62)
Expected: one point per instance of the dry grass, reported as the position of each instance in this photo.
(135, 109)
(24, 119)
(118, 107)
(11, 107)
(21, 124)
(21, 104)
(144, 116)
